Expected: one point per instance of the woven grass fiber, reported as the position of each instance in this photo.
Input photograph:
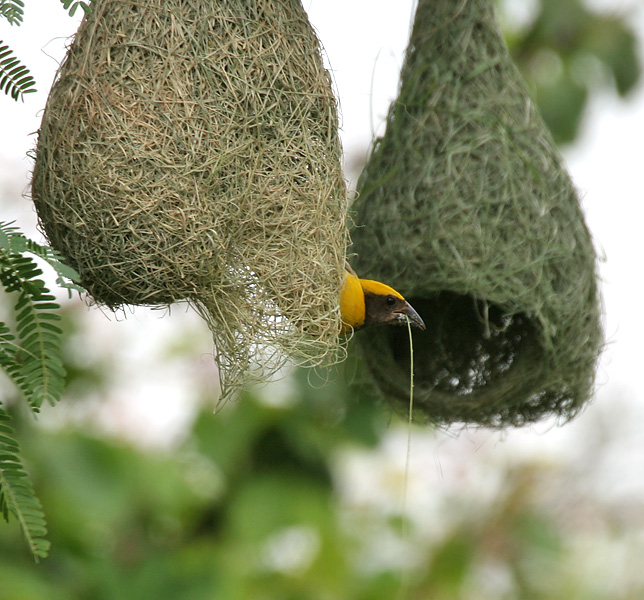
(466, 208)
(189, 151)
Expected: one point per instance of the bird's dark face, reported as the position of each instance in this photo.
(387, 308)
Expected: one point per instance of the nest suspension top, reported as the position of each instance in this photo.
(466, 208)
(189, 150)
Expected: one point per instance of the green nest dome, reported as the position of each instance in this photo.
(466, 208)
(189, 151)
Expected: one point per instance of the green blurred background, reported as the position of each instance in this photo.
(296, 491)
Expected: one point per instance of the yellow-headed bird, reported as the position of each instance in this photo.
(365, 302)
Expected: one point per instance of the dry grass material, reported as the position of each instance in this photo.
(466, 208)
(189, 151)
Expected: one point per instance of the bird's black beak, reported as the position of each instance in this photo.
(408, 311)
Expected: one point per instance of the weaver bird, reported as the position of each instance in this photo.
(365, 302)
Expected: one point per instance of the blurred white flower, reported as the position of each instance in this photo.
(291, 550)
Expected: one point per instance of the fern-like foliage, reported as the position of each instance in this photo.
(71, 6)
(17, 496)
(30, 352)
(30, 356)
(15, 79)
(13, 241)
(13, 11)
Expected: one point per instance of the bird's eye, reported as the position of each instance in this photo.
(390, 301)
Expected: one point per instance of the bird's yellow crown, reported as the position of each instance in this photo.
(376, 287)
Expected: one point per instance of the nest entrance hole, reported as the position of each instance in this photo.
(468, 345)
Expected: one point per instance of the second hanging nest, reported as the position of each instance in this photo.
(466, 208)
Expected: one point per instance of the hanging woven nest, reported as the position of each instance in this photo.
(189, 151)
(466, 208)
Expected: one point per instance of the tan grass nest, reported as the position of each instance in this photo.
(189, 151)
